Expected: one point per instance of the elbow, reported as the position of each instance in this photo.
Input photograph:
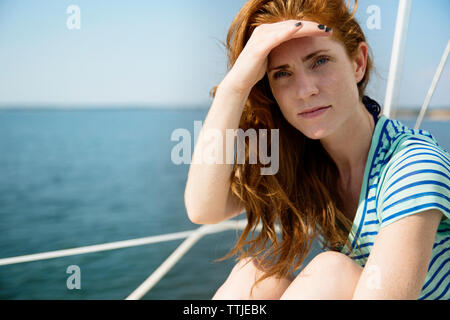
(197, 214)
(198, 217)
(193, 212)
(202, 210)
(189, 204)
(193, 217)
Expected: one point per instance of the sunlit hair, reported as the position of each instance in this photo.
(301, 198)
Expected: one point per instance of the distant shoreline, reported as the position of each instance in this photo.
(431, 114)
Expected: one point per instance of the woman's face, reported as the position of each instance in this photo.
(313, 72)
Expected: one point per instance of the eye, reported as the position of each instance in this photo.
(320, 61)
(280, 74)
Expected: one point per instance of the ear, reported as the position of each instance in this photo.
(360, 61)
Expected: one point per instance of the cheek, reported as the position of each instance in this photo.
(340, 84)
(333, 81)
(277, 91)
(284, 102)
(280, 96)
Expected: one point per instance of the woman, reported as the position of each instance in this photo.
(376, 191)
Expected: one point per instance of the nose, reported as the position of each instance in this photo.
(305, 86)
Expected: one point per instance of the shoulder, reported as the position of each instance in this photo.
(406, 148)
(416, 178)
(416, 153)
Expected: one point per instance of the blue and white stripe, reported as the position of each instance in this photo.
(407, 173)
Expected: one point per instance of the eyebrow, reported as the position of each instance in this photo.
(304, 59)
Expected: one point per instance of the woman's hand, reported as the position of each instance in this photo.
(208, 195)
(251, 64)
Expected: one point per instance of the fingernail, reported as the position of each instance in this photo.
(321, 26)
(327, 29)
(298, 24)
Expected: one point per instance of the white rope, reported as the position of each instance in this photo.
(434, 83)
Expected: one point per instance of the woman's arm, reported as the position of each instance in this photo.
(208, 197)
(398, 262)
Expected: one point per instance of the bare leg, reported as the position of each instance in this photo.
(241, 279)
(329, 276)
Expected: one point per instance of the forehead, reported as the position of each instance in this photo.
(301, 47)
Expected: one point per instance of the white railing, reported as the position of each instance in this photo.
(191, 236)
(397, 56)
(434, 83)
(95, 248)
(179, 252)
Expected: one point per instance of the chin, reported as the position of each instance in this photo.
(315, 134)
(314, 130)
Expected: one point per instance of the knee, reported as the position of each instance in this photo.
(244, 269)
(238, 283)
(332, 263)
(330, 275)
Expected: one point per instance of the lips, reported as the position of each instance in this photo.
(310, 110)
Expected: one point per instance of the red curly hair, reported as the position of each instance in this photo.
(301, 197)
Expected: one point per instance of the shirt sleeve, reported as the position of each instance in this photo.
(417, 179)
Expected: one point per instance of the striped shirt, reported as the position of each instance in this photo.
(406, 172)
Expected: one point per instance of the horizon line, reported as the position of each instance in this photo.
(130, 106)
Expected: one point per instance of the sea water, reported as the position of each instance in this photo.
(71, 178)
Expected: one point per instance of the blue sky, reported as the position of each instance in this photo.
(168, 53)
